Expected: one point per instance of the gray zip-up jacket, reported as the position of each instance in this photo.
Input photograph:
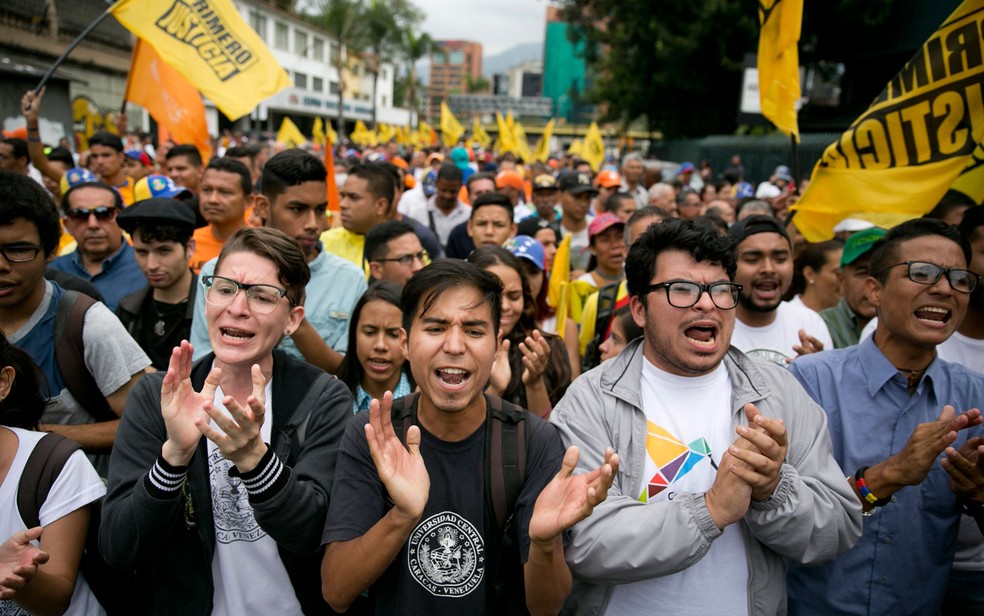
(812, 516)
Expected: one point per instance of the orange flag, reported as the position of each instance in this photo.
(333, 198)
(169, 98)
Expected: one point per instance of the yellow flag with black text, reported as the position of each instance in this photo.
(451, 128)
(593, 148)
(778, 62)
(915, 141)
(208, 42)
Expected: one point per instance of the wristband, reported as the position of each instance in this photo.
(32, 129)
(866, 492)
(31, 139)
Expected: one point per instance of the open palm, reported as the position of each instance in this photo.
(569, 498)
(181, 405)
(400, 468)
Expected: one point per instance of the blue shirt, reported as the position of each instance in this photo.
(362, 399)
(335, 286)
(902, 561)
(119, 277)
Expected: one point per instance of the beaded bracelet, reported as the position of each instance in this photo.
(866, 492)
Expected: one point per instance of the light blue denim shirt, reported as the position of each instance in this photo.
(119, 277)
(335, 286)
(362, 399)
(902, 561)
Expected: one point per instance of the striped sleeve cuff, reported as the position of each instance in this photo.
(266, 480)
(165, 481)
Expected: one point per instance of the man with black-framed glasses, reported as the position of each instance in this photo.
(726, 471)
(92, 364)
(906, 431)
(103, 257)
(394, 252)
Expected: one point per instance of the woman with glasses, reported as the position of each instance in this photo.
(220, 479)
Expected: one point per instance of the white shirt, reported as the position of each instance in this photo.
(775, 341)
(443, 223)
(689, 428)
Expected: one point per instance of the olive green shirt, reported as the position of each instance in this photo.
(845, 326)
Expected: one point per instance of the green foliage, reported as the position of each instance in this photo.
(676, 64)
(476, 85)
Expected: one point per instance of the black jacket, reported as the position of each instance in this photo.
(171, 542)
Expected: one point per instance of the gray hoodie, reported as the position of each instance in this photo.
(812, 516)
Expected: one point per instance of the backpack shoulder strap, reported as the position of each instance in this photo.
(42, 469)
(404, 414)
(505, 458)
(70, 355)
(290, 439)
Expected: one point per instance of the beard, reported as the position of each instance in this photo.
(749, 304)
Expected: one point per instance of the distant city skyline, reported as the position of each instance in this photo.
(497, 25)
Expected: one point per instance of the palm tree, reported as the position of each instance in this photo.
(344, 21)
(381, 30)
(416, 46)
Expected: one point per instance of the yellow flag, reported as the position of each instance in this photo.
(290, 135)
(778, 62)
(318, 132)
(506, 141)
(542, 151)
(574, 149)
(593, 149)
(971, 181)
(522, 142)
(169, 98)
(451, 128)
(899, 158)
(385, 132)
(426, 133)
(208, 42)
(362, 135)
(479, 136)
(330, 134)
(560, 271)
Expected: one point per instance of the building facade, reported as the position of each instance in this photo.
(452, 65)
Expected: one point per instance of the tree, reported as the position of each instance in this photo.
(385, 24)
(343, 20)
(676, 64)
(476, 85)
(415, 47)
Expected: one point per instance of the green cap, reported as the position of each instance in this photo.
(860, 244)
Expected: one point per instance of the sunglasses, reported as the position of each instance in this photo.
(82, 214)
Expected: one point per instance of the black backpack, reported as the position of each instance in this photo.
(607, 296)
(70, 355)
(113, 588)
(506, 441)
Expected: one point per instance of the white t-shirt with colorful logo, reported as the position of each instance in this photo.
(689, 428)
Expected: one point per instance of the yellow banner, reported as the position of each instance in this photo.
(479, 136)
(451, 128)
(174, 103)
(209, 43)
(290, 135)
(506, 140)
(971, 181)
(778, 62)
(542, 151)
(899, 158)
(593, 149)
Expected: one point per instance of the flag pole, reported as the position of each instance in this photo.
(70, 48)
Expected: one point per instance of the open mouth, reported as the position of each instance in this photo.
(378, 364)
(766, 289)
(933, 314)
(235, 334)
(453, 377)
(702, 335)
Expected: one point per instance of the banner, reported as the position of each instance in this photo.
(334, 200)
(208, 42)
(899, 158)
(971, 181)
(542, 151)
(479, 136)
(174, 103)
(290, 135)
(593, 148)
(505, 142)
(778, 62)
(522, 142)
(451, 128)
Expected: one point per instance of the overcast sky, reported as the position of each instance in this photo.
(496, 24)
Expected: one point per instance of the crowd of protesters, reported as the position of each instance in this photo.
(481, 385)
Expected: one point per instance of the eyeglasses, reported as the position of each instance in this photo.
(961, 280)
(407, 259)
(19, 253)
(261, 298)
(82, 214)
(684, 294)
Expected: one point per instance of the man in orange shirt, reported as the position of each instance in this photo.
(226, 193)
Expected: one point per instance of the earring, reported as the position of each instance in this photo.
(811, 281)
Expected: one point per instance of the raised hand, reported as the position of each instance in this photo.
(966, 469)
(536, 354)
(808, 344)
(31, 106)
(400, 468)
(501, 370)
(19, 561)
(570, 498)
(764, 456)
(182, 407)
(239, 439)
(911, 465)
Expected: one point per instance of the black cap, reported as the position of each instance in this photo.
(756, 224)
(157, 211)
(577, 182)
